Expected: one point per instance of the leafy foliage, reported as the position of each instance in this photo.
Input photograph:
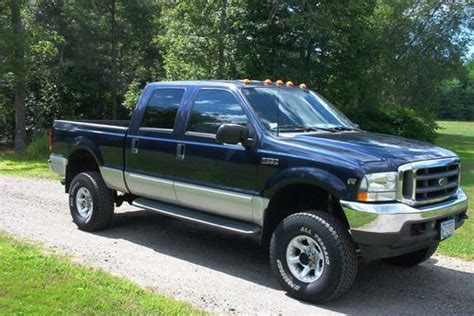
(402, 121)
(38, 147)
(457, 96)
(361, 54)
(131, 96)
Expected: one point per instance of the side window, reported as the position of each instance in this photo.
(212, 108)
(162, 108)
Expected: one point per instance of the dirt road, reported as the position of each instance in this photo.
(220, 272)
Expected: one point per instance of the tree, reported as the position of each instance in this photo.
(199, 39)
(221, 38)
(456, 101)
(18, 69)
(89, 58)
(113, 67)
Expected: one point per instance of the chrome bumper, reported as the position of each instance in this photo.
(58, 164)
(391, 217)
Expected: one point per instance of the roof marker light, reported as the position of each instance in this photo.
(303, 86)
(246, 81)
(290, 84)
(267, 82)
(279, 82)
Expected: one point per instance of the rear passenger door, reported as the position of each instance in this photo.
(151, 146)
(213, 177)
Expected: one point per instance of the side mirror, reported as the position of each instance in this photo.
(232, 134)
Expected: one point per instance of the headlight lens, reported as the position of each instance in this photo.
(378, 187)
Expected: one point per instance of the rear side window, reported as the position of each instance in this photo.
(212, 108)
(162, 108)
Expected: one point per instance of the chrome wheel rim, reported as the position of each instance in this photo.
(84, 204)
(305, 258)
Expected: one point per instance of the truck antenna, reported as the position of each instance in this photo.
(278, 112)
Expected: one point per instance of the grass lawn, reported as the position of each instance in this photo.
(33, 164)
(25, 167)
(459, 137)
(32, 282)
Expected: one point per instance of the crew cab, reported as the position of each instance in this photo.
(273, 161)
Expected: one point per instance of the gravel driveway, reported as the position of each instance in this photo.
(220, 272)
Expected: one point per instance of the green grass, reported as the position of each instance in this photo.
(459, 137)
(32, 282)
(24, 166)
(33, 164)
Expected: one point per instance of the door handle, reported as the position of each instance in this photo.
(180, 150)
(134, 146)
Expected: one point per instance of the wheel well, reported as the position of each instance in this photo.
(79, 161)
(296, 198)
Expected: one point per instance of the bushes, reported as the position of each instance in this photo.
(401, 121)
(38, 148)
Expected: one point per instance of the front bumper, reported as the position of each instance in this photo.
(391, 229)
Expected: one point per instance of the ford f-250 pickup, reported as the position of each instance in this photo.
(273, 161)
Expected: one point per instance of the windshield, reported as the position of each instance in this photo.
(295, 110)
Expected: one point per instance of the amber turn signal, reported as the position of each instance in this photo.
(363, 196)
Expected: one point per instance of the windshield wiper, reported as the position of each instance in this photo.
(309, 128)
(304, 128)
(341, 128)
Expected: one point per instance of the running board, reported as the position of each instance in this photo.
(197, 216)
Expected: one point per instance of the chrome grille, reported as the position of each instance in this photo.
(428, 181)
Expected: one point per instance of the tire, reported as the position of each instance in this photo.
(89, 187)
(337, 267)
(413, 258)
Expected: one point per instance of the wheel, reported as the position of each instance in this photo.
(413, 258)
(313, 256)
(90, 201)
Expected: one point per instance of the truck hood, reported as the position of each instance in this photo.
(364, 147)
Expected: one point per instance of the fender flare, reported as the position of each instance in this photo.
(304, 175)
(84, 143)
(300, 175)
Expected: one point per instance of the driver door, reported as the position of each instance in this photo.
(213, 177)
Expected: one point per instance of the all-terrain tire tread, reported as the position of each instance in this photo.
(105, 200)
(346, 249)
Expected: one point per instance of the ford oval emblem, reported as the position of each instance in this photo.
(442, 182)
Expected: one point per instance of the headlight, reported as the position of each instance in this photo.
(378, 187)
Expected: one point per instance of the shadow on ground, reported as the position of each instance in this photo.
(424, 288)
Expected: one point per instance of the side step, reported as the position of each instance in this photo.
(198, 217)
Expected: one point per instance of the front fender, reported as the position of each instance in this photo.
(306, 175)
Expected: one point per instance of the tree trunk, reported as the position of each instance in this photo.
(221, 44)
(114, 60)
(19, 75)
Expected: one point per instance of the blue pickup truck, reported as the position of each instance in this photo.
(269, 160)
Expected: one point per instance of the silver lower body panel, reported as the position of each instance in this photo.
(114, 178)
(58, 163)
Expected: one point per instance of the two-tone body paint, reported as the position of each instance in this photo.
(334, 161)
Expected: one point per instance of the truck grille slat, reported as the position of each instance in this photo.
(437, 175)
(434, 189)
(430, 181)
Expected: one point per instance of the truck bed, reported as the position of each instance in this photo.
(105, 139)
